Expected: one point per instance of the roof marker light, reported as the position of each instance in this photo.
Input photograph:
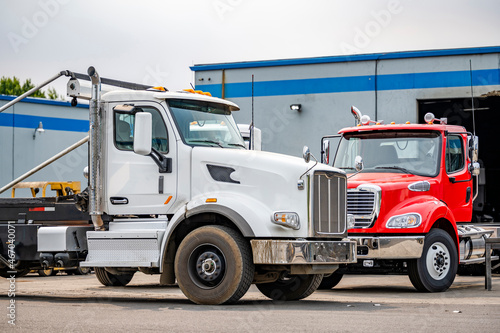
(157, 89)
(200, 92)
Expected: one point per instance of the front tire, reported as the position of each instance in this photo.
(112, 280)
(435, 270)
(213, 265)
(291, 287)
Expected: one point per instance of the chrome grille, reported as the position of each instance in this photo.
(329, 208)
(362, 203)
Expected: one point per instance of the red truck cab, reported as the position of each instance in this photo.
(408, 187)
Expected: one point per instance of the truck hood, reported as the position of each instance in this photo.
(252, 169)
(262, 181)
(385, 180)
(395, 197)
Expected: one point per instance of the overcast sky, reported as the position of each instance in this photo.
(155, 42)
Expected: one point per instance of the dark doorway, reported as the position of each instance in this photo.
(459, 112)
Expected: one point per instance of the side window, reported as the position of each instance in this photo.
(124, 130)
(455, 160)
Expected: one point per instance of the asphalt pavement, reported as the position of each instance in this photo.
(66, 303)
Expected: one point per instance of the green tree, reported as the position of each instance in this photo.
(12, 86)
(52, 94)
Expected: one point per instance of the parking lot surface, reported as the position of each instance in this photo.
(65, 303)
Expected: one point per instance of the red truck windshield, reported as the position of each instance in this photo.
(391, 151)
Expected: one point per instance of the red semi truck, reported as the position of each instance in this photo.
(410, 190)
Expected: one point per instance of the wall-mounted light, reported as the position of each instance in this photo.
(296, 107)
(39, 129)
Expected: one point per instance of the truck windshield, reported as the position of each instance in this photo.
(391, 151)
(206, 124)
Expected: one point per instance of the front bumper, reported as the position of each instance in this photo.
(297, 252)
(388, 247)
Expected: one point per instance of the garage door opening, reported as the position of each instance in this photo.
(459, 112)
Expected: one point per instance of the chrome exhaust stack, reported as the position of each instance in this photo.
(95, 152)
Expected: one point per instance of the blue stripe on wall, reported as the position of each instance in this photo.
(49, 123)
(356, 83)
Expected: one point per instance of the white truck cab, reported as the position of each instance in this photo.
(174, 191)
(252, 136)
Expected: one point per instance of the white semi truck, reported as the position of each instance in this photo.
(173, 191)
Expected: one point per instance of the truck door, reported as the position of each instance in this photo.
(458, 188)
(134, 184)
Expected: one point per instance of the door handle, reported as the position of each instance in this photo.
(118, 200)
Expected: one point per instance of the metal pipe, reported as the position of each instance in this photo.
(477, 189)
(95, 143)
(31, 91)
(44, 164)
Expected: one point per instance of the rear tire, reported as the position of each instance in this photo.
(435, 271)
(81, 270)
(331, 281)
(4, 272)
(47, 272)
(213, 265)
(291, 287)
(112, 280)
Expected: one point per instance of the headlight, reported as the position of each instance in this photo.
(286, 219)
(351, 221)
(411, 220)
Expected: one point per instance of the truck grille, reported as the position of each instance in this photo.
(362, 203)
(328, 202)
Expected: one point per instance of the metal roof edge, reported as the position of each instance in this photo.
(347, 58)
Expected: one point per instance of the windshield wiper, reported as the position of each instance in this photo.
(207, 141)
(344, 168)
(395, 168)
(237, 145)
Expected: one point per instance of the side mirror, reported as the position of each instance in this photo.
(473, 148)
(306, 154)
(358, 163)
(143, 133)
(325, 155)
(475, 169)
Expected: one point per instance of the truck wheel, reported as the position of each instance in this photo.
(291, 287)
(331, 281)
(46, 272)
(4, 272)
(213, 265)
(435, 271)
(81, 271)
(112, 280)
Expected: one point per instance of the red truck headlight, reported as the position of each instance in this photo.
(410, 220)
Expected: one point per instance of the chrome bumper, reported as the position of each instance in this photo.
(402, 247)
(296, 252)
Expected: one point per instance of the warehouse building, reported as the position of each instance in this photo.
(297, 101)
(33, 131)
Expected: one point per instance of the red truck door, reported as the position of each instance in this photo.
(458, 188)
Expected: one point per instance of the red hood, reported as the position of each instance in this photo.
(385, 180)
(395, 195)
